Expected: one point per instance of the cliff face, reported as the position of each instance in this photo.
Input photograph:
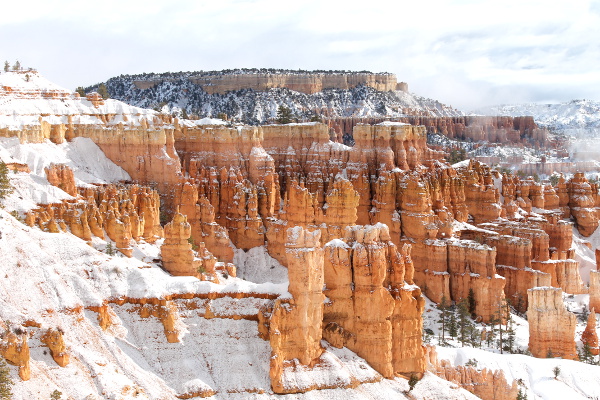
(372, 309)
(300, 82)
(551, 326)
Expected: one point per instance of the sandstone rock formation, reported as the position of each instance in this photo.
(53, 339)
(551, 326)
(589, 337)
(295, 323)
(14, 348)
(372, 308)
(484, 383)
(61, 176)
(301, 82)
(178, 255)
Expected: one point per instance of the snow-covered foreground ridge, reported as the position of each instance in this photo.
(291, 265)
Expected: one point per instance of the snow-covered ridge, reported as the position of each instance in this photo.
(28, 99)
(574, 117)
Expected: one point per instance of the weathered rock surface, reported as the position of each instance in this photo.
(551, 326)
(372, 308)
(53, 339)
(484, 383)
(178, 255)
(295, 323)
(15, 350)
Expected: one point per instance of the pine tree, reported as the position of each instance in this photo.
(556, 371)
(5, 186)
(443, 307)
(17, 66)
(521, 395)
(81, 91)
(6, 66)
(586, 354)
(284, 115)
(465, 325)
(472, 304)
(5, 381)
(56, 395)
(109, 249)
(452, 323)
(412, 382)
(102, 91)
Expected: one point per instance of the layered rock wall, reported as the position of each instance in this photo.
(551, 326)
(301, 82)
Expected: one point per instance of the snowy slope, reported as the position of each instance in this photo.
(575, 117)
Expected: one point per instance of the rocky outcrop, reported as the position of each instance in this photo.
(551, 326)
(583, 205)
(168, 315)
(372, 308)
(483, 383)
(14, 348)
(295, 323)
(178, 255)
(124, 213)
(53, 339)
(62, 177)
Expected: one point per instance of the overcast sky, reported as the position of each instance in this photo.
(465, 53)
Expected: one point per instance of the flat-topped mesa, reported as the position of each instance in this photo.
(551, 326)
(294, 328)
(305, 82)
(372, 309)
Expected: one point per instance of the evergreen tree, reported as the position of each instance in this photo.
(81, 91)
(471, 299)
(586, 354)
(556, 371)
(284, 115)
(6, 66)
(5, 381)
(465, 325)
(412, 382)
(452, 323)
(184, 113)
(56, 395)
(102, 91)
(17, 66)
(5, 186)
(521, 395)
(110, 250)
(443, 307)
